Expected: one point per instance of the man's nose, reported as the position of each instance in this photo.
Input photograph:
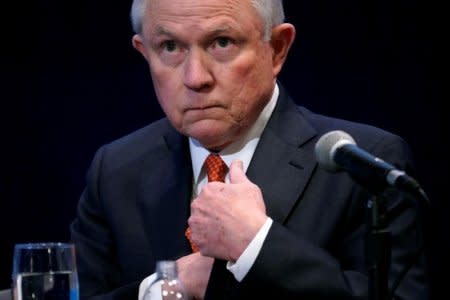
(197, 72)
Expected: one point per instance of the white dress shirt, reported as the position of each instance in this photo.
(241, 149)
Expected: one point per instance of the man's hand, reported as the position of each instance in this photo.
(226, 217)
(193, 272)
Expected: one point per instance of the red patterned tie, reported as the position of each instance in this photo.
(216, 169)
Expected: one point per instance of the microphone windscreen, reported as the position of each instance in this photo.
(327, 145)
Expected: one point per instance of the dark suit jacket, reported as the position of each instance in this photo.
(135, 207)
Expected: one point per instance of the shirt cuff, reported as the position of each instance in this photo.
(241, 267)
(144, 285)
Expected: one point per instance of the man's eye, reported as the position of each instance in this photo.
(169, 46)
(223, 42)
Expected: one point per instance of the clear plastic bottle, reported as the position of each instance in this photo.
(166, 286)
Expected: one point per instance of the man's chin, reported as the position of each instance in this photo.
(210, 138)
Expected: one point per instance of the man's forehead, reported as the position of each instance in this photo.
(168, 19)
(192, 7)
(197, 2)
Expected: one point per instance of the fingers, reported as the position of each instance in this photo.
(237, 174)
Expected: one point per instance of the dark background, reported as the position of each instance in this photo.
(71, 81)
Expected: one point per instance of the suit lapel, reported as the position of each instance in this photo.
(281, 166)
(166, 187)
(283, 161)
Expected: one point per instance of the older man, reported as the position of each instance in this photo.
(275, 226)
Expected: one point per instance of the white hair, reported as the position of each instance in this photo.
(137, 14)
(271, 12)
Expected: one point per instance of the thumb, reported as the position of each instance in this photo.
(237, 174)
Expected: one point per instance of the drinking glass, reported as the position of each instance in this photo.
(44, 271)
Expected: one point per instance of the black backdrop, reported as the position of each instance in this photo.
(71, 81)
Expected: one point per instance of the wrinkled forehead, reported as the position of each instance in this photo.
(200, 13)
(198, 2)
(199, 8)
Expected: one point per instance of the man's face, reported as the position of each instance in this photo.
(212, 71)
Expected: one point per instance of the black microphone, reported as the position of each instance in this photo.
(337, 150)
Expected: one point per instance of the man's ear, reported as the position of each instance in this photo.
(138, 44)
(282, 38)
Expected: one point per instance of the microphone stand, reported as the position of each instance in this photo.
(378, 248)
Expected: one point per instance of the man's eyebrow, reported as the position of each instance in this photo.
(220, 30)
(162, 31)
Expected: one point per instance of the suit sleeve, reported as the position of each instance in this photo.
(97, 262)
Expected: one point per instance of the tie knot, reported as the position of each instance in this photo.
(216, 168)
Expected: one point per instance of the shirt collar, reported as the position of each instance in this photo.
(243, 148)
